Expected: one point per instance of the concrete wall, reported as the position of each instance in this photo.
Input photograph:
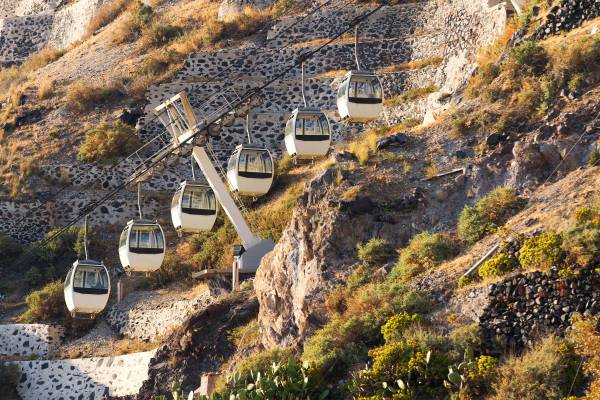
(26, 340)
(86, 378)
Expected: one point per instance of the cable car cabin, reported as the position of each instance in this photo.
(142, 246)
(193, 208)
(307, 133)
(87, 288)
(250, 170)
(360, 96)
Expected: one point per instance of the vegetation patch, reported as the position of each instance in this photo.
(107, 141)
(498, 265)
(542, 252)
(424, 251)
(548, 371)
(489, 213)
(411, 95)
(82, 95)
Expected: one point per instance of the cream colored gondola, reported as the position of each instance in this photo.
(307, 132)
(142, 244)
(250, 169)
(194, 206)
(360, 95)
(87, 286)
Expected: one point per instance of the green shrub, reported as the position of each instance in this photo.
(259, 361)
(394, 328)
(346, 338)
(279, 380)
(45, 305)
(487, 214)
(412, 368)
(472, 225)
(9, 251)
(473, 377)
(576, 83)
(542, 252)
(498, 265)
(108, 141)
(465, 281)
(594, 158)
(173, 269)
(424, 251)
(466, 336)
(544, 373)
(531, 57)
(9, 380)
(582, 244)
(374, 252)
(161, 34)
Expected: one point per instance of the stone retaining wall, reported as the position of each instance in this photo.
(26, 26)
(27, 340)
(567, 15)
(85, 378)
(528, 305)
(148, 316)
(36, 218)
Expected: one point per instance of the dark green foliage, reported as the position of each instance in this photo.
(161, 34)
(532, 57)
(375, 252)
(9, 379)
(9, 252)
(345, 340)
(47, 305)
(279, 380)
(424, 251)
(487, 214)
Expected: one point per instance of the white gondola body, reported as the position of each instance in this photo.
(360, 97)
(142, 246)
(250, 171)
(194, 208)
(87, 288)
(307, 133)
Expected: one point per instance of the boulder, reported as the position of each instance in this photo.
(397, 139)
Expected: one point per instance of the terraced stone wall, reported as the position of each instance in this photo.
(27, 26)
(27, 340)
(85, 378)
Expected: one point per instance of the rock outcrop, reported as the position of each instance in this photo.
(202, 344)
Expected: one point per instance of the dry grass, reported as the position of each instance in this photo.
(411, 95)
(412, 65)
(587, 343)
(105, 15)
(83, 95)
(45, 88)
(42, 58)
(364, 148)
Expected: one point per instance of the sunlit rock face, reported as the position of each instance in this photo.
(232, 8)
